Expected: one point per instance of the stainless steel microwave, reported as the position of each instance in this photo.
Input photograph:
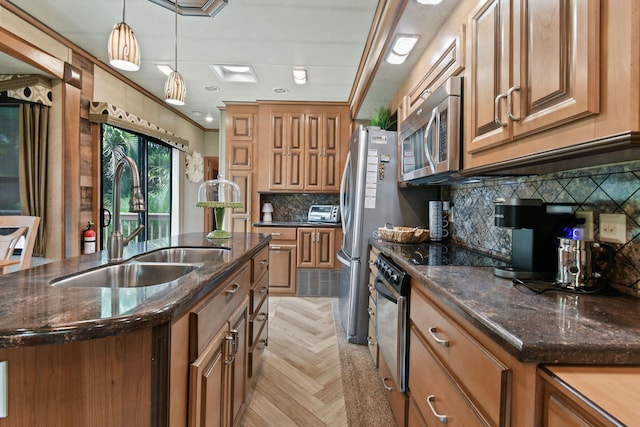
(430, 138)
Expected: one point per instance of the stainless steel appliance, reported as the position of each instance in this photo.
(392, 318)
(581, 264)
(534, 239)
(370, 198)
(324, 213)
(431, 136)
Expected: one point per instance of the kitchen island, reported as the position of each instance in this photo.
(487, 351)
(123, 356)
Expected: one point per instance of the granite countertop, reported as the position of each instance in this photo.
(297, 224)
(551, 327)
(32, 312)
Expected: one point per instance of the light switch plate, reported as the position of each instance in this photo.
(613, 228)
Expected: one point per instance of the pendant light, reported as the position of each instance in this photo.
(175, 89)
(124, 52)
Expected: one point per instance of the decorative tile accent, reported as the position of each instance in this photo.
(604, 189)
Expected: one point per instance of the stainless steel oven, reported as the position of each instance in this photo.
(392, 318)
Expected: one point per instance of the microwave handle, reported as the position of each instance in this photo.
(427, 148)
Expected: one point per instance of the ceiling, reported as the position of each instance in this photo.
(326, 37)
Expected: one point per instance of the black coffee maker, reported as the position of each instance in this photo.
(536, 228)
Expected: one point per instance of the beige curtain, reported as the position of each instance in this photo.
(34, 124)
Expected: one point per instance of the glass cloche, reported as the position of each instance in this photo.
(219, 194)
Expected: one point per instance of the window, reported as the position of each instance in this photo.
(153, 159)
(9, 148)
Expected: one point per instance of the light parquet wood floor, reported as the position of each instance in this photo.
(300, 381)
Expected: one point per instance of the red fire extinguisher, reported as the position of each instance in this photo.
(89, 239)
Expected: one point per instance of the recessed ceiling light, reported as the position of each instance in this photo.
(429, 1)
(280, 90)
(209, 118)
(196, 113)
(212, 88)
(235, 73)
(401, 47)
(166, 70)
(300, 76)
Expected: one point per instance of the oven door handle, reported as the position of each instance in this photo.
(383, 289)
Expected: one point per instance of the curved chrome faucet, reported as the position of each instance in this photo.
(116, 241)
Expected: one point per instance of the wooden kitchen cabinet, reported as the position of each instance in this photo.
(322, 170)
(258, 311)
(534, 65)
(286, 149)
(307, 145)
(283, 250)
(241, 168)
(316, 247)
(397, 399)
(463, 381)
(372, 335)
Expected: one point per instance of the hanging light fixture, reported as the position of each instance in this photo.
(124, 52)
(175, 89)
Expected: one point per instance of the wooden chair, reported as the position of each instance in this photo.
(26, 226)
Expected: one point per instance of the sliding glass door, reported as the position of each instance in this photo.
(153, 159)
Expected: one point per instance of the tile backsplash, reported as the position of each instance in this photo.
(295, 207)
(605, 189)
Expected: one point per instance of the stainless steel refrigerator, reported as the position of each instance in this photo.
(370, 198)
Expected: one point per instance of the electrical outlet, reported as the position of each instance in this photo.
(586, 228)
(613, 228)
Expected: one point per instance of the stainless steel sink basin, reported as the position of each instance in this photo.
(184, 255)
(128, 275)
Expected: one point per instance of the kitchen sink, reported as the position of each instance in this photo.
(128, 275)
(183, 255)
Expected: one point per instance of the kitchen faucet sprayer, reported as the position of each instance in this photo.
(116, 241)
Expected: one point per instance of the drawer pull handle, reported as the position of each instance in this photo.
(384, 384)
(276, 234)
(371, 287)
(262, 344)
(370, 341)
(371, 312)
(233, 290)
(442, 418)
(276, 247)
(261, 317)
(442, 342)
(264, 262)
(264, 289)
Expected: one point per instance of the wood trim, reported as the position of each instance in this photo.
(71, 174)
(72, 75)
(385, 22)
(610, 149)
(160, 370)
(30, 54)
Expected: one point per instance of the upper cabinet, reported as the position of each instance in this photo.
(306, 145)
(534, 65)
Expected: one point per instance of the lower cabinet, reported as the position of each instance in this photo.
(283, 250)
(372, 335)
(316, 247)
(397, 399)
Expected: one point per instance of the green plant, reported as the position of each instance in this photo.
(382, 119)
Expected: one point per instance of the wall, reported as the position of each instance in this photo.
(605, 189)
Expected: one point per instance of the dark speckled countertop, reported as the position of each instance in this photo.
(552, 327)
(32, 312)
(297, 224)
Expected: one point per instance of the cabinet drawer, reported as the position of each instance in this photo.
(372, 310)
(397, 400)
(484, 379)
(435, 393)
(280, 233)
(255, 355)
(260, 290)
(260, 264)
(372, 342)
(258, 320)
(208, 318)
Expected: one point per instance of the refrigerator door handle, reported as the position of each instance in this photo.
(342, 257)
(346, 219)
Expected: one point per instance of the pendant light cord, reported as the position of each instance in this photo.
(124, 5)
(176, 52)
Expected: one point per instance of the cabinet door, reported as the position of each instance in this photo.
(240, 126)
(295, 152)
(240, 155)
(556, 63)
(239, 361)
(277, 152)
(489, 77)
(207, 386)
(286, 141)
(306, 247)
(325, 245)
(282, 268)
(240, 217)
(330, 158)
